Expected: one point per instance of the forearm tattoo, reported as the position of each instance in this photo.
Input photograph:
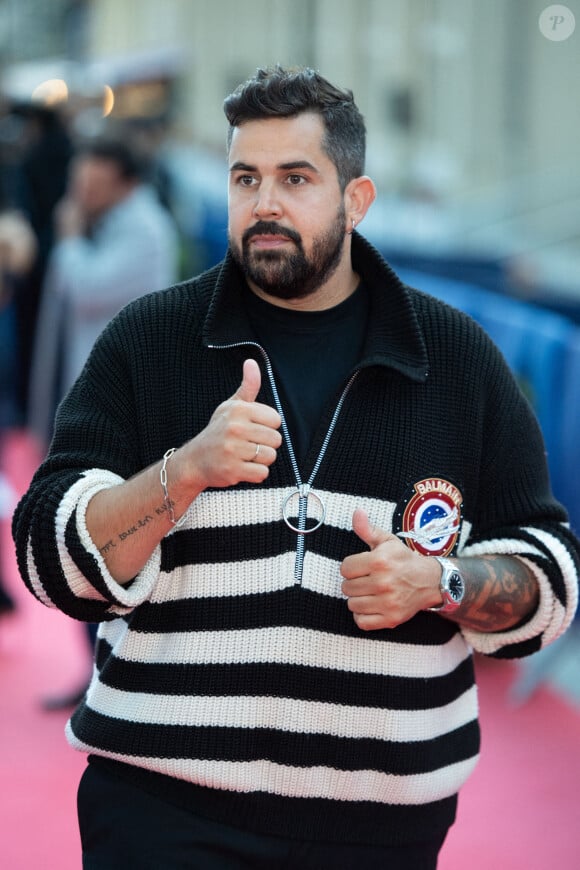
(132, 530)
(500, 592)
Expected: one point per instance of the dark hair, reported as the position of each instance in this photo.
(283, 93)
(129, 162)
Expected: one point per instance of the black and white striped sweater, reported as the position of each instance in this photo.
(230, 675)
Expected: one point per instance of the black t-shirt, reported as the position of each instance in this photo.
(312, 354)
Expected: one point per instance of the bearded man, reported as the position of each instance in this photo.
(294, 494)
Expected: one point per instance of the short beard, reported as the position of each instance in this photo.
(291, 275)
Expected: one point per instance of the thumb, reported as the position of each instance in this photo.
(362, 526)
(251, 382)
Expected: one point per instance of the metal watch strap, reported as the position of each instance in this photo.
(447, 568)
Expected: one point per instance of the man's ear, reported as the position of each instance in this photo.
(359, 195)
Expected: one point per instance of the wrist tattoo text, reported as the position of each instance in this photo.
(133, 530)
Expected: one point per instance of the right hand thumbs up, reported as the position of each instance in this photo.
(251, 382)
(241, 439)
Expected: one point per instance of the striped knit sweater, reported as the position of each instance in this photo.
(230, 676)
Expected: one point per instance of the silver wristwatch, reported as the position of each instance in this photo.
(451, 586)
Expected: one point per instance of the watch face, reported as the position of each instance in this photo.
(455, 586)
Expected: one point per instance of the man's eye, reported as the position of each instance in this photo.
(246, 180)
(295, 180)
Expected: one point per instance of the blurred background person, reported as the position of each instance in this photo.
(43, 150)
(114, 241)
(17, 254)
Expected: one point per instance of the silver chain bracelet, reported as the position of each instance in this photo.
(166, 500)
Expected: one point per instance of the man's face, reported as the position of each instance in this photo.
(286, 211)
(96, 185)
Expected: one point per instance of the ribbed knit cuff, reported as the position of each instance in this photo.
(104, 587)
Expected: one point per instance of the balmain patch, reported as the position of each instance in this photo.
(429, 518)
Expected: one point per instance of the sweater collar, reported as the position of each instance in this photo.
(395, 338)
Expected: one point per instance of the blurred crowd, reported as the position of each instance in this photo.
(47, 200)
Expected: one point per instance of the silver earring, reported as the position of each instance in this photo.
(350, 232)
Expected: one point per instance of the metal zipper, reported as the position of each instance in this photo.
(303, 489)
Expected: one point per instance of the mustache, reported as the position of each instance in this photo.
(270, 228)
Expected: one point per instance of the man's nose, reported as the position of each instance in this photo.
(267, 202)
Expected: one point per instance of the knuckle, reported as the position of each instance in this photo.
(379, 561)
(229, 453)
(236, 428)
(362, 622)
(382, 586)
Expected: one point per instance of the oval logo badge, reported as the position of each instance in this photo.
(429, 520)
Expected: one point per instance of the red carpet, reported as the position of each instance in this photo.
(520, 811)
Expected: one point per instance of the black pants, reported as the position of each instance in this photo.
(124, 827)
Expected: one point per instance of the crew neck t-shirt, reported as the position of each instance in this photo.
(312, 354)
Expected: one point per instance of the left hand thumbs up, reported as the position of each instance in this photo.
(387, 584)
